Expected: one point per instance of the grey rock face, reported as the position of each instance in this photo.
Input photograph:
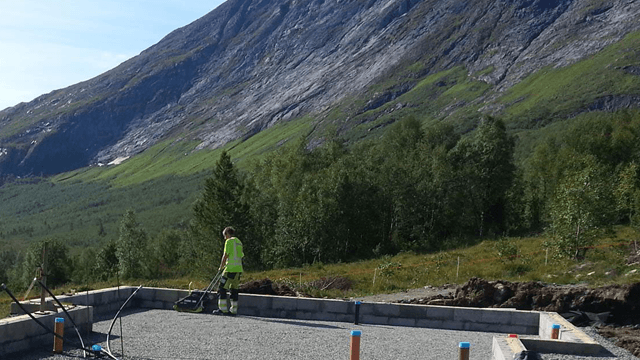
(250, 64)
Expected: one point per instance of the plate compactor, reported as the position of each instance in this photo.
(200, 300)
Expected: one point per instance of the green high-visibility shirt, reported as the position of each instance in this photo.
(233, 249)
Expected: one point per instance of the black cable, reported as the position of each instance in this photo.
(116, 317)
(66, 312)
(3, 287)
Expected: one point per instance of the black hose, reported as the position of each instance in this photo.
(3, 287)
(68, 315)
(116, 317)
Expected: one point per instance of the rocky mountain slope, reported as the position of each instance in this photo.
(250, 64)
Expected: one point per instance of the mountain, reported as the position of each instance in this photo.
(350, 65)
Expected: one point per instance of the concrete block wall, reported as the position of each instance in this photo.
(21, 333)
(104, 301)
(527, 324)
(571, 340)
(439, 317)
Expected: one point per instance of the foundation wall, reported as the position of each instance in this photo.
(21, 333)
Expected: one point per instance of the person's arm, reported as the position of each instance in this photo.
(224, 261)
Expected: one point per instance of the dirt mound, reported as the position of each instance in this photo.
(622, 302)
(617, 305)
(266, 287)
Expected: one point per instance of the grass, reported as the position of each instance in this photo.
(526, 260)
(450, 93)
(178, 158)
(532, 263)
(553, 93)
(160, 185)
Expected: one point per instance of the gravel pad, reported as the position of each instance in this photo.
(162, 334)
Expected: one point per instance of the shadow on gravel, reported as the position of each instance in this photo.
(299, 323)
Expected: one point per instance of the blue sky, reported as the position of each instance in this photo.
(50, 44)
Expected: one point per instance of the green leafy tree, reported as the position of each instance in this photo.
(8, 262)
(541, 175)
(84, 269)
(486, 170)
(583, 204)
(58, 265)
(131, 247)
(627, 194)
(165, 253)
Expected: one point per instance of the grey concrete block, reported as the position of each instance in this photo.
(467, 314)
(16, 346)
(335, 306)
(374, 320)
(286, 314)
(504, 348)
(309, 304)
(14, 332)
(153, 304)
(526, 318)
(146, 293)
(306, 315)
(169, 295)
(283, 303)
(452, 325)
(495, 316)
(256, 301)
(523, 330)
(440, 312)
(4, 332)
(413, 311)
(84, 299)
(248, 311)
(429, 323)
(345, 318)
(402, 321)
(470, 326)
(387, 310)
(325, 316)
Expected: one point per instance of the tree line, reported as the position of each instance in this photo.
(414, 188)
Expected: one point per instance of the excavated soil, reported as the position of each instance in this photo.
(266, 287)
(613, 309)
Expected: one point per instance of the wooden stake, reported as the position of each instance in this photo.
(464, 351)
(555, 331)
(58, 330)
(355, 345)
(546, 256)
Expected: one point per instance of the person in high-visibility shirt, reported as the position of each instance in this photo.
(232, 263)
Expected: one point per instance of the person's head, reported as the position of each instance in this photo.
(228, 232)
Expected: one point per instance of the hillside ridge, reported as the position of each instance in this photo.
(251, 64)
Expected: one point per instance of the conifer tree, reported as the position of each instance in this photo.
(221, 205)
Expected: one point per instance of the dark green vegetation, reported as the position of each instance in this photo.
(424, 175)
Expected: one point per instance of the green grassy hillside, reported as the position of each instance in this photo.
(511, 259)
(83, 208)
